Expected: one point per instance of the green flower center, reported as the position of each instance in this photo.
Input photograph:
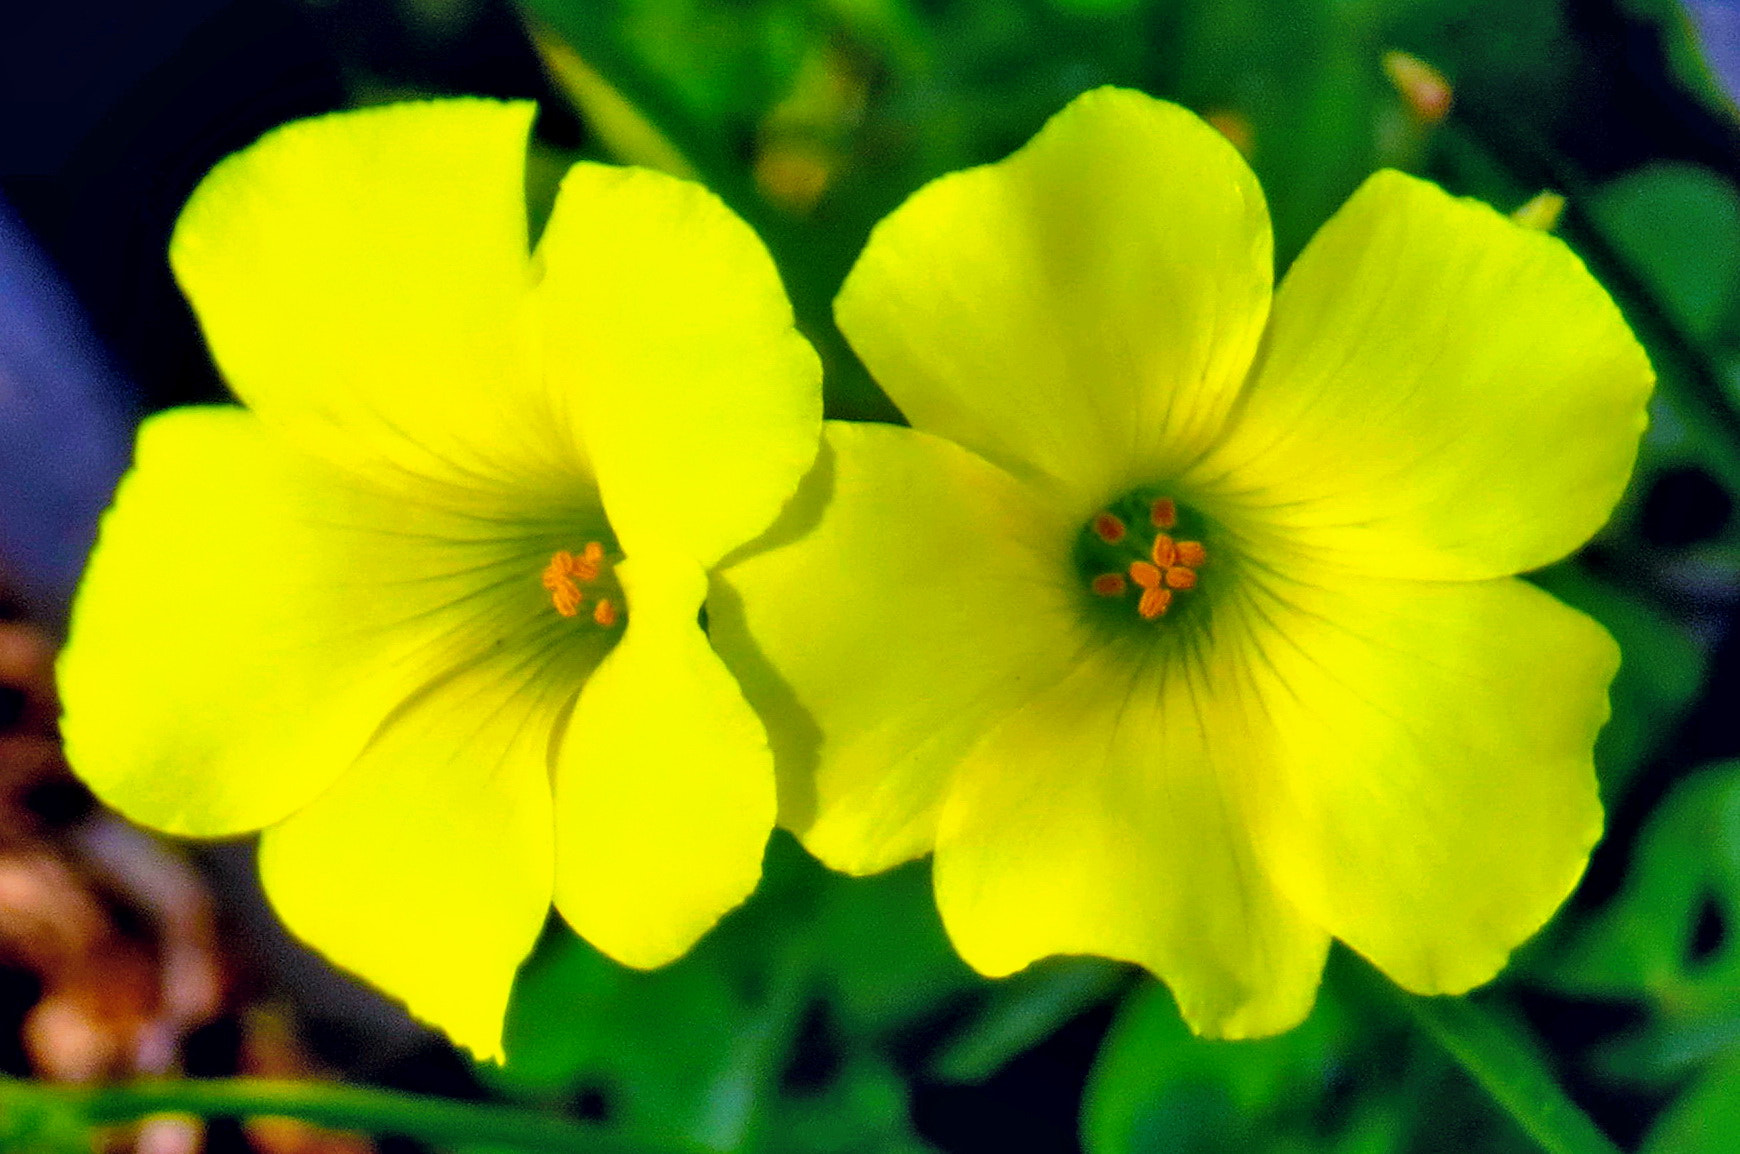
(1143, 554)
(586, 578)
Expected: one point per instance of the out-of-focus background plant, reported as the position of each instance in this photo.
(830, 1016)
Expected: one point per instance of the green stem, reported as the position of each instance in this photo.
(1503, 1064)
(1510, 1071)
(418, 1116)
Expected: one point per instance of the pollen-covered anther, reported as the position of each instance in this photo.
(1119, 556)
(1157, 578)
(559, 580)
(587, 564)
(567, 572)
(1109, 585)
(1109, 528)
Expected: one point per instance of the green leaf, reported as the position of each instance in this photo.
(885, 961)
(862, 1109)
(1667, 938)
(676, 1054)
(1704, 1119)
(1509, 1068)
(690, 1052)
(1678, 225)
(701, 1051)
(1021, 1011)
(1157, 1087)
(35, 1120)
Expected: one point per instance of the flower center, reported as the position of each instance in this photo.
(572, 577)
(1144, 551)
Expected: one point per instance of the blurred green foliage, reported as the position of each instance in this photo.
(778, 1033)
(33, 1123)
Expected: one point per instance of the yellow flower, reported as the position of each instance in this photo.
(426, 610)
(1182, 624)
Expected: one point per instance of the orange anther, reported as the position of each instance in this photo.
(1154, 602)
(1191, 553)
(1164, 514)
(556, 572)
(566, 599)
(1164, 552)
(1109, 585)
(1145, 575)
(558, 579)
(586, 565)
(1110, 529)
(1179, 577)
(604, 613)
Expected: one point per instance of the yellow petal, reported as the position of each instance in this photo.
(664, 782)
(1105, 818)
(916, 596)
(670, 340)
(362, 280)
(427, 868)
(1086, 309)
(1433, 798)
(249, 617)
(1445, 394)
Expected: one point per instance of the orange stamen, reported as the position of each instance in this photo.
(1165, 567)
(556, 572)
(586, 565)
(558, 579)
(1154, 602)
(1110, 529)
(1109, 585)
(567, 572)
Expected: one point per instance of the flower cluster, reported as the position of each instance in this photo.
(1181, 624)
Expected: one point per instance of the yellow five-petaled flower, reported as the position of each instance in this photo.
(1182, 624)
(426, 610)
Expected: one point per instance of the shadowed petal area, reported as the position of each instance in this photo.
(426, 868)
(1104, 818)
(250, 615)
(1445, 394)
(1085, 310)
(671, 348)
(1433, 798)
(915, 596)
(664, 782)
(363, 281)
